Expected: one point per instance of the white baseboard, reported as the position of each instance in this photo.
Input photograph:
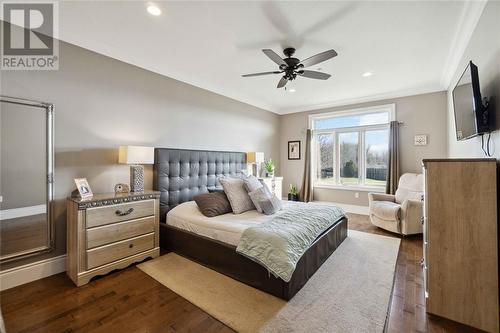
(13, 213)
(17, 276)
(355, 209)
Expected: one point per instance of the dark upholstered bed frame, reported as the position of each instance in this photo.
(181, 174)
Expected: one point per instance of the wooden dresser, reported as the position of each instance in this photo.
(110, 231)
(460, 241)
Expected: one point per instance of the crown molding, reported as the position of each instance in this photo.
(366, 99)
(471, 13)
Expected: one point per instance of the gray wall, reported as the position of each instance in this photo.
(102, 103)
(484, 50)
(421, 114)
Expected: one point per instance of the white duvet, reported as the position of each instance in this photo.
(226, 228)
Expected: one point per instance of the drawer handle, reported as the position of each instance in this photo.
(131, 246)
(120, 213)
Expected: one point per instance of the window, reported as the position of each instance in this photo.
(351, 147)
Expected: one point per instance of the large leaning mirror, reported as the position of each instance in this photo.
(26, 178)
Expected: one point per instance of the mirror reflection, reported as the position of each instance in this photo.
(24, 223)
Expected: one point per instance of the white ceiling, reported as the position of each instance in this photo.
(407, 45)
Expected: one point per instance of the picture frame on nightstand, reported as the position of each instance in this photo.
(83, 188)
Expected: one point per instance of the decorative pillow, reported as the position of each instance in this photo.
(252, 183)
(259, 194)
(268, 191)
(237, 175)
(237, 194)
(271, 205)
(213, 204)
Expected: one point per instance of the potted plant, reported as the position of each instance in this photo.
(293, 193)
(269, 167)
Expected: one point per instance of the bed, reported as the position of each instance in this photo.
(181, 174)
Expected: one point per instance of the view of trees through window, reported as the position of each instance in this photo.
(357, 155)
(377, 156)
(325, 158)
(349, 153)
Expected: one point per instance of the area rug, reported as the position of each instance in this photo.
(349, 293)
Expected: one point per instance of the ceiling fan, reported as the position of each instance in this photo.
(291, 67)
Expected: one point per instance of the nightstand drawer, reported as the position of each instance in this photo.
(118, 231)
(115, 251)
(122, 212)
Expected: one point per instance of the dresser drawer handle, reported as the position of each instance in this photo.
(120, 213)
(131, 246)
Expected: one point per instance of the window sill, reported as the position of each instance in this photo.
(352, 188)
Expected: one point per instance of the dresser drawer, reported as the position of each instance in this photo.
(116, 251)
(118, 231)
(116, 213)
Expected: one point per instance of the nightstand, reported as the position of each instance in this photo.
(110, 231)
(275, 184)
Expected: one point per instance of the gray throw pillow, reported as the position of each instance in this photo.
(213, 204)
(268, 191)
(237, 194)
(252, 183)
(271, 205)
(259, 194)
(237, 175)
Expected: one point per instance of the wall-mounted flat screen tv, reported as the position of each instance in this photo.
(471, 118)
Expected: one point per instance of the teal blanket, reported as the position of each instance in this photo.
(279, 243)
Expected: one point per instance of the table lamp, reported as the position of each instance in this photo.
(136, 156)
(255, 158)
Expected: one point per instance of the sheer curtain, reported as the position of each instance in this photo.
(306, 191)
(393, 163)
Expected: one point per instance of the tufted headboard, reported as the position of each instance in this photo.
(180, 174)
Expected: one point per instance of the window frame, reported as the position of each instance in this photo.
(389, 108)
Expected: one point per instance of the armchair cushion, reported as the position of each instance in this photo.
(411, 186)
(385, 210)
(381, 197)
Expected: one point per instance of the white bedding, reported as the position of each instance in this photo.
(226, 228)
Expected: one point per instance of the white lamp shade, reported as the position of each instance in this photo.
(255, 157)
(136, 155)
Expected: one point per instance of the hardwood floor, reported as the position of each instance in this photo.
(21, 233)
(131, 301)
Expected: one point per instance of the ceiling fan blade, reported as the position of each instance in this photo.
(331, 19)
(274, 57)
(275, 15)
(282, 82)
(314, 75)
(320, 57)
(259, 74)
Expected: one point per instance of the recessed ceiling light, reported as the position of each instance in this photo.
(154, 10)
(291, 90)
(367, 74)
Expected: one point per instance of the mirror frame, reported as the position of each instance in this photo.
(49, 109)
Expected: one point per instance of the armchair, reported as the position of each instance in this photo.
(400, 213)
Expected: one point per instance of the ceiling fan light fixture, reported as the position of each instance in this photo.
(290, 67)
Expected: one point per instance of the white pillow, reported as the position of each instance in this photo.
(237, 194)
